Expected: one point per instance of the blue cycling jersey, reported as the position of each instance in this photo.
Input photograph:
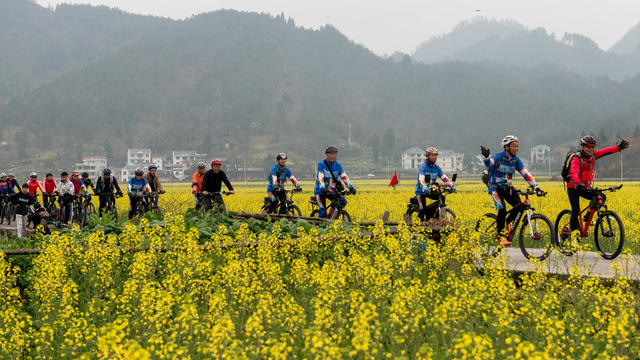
(324, 179)
(136, 185)
(501, 169)
(434, 171)
(280, 177)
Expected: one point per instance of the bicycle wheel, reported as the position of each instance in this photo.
(342, 215)
(314, 213)
(536, 237)
(609, 234)
(90, 208)
(114, 211)
(10, 213)
(563, 233)
(486, 228)
(294, 210)
(447, 214)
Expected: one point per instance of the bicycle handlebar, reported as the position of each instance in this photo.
(612, 188)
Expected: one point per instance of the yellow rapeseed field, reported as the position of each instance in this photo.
(344, 294)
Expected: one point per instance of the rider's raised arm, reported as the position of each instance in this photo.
(606, 151)
(525, 173)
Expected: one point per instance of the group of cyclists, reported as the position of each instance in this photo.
(330, 183)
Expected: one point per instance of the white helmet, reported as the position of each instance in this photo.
(509, 139)
(431, 150)
(33, 174)
(3, 175)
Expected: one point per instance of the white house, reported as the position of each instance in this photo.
(449, 160)
(176, 170)
(92, 165)
(540, 154)
(412, 158)
(158, 161)
(138, 156)
(127, 172)
(186, 158)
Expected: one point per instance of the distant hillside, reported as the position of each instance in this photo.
(261, 84)
(629, 43)
(512, 44)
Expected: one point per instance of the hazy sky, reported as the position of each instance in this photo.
(386, 26)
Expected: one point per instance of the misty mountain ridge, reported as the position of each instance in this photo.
(513, 44)
(629, 43)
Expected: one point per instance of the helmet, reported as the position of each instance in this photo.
(331, 148)
(139, 172)
(75, 173)
(216, 162)
(509, 139)
(106, 171)
(201, 165)
(281, 156)
(431, 150)
(11, 174)
(33, 174)
(85, 174)
(153, 167)
(588, 140)
(3, 175)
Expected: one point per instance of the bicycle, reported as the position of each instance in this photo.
(50, 206)
(110, 204)
(142, 206)
(7, 210)
(213, 201)
(87, 209)
(608, 225)
(443, 213)
(536, 243)
(335, 210)
(286, 207)
(152, 205)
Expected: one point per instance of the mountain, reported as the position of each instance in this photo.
(261, 85)
(38, 45)
(629, 43)
(513, 44)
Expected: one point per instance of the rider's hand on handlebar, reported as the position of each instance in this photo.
(539, 191)
(352, 190)
(485, 151)
(231, 192)
(205, 193)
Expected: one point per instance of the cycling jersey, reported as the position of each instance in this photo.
(34, 185)
(196, 181)
(136, 185)
(78, 186)
(88, 184)
(324, 180)
(49, 186)
(13, 183)
(105, 184)
(279, 176)
(581, 169)
(501, 169)
(435, 172)
(212, 182)
(5, 188)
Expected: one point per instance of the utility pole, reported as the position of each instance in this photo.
(621, 167)
(388, 164)
(246, 183)
(349, 140)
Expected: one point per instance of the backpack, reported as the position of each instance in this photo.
(567, 164)
(485, 174)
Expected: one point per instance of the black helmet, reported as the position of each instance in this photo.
(588, 140)
(85, 174)
(139, 172)
(106, 171)
(330, 149)
(281, 156)
(153, 167)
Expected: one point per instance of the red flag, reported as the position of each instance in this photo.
(394, 180)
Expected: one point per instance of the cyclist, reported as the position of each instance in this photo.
(137, 184)
(196, 183)
(23, 201)
(104, 188)
(49, 185)
(502, 166)
(327, 180)
(13, 183)
(212, 182)
(34, 185)
(5, 187)
(423, 190)
(581, 174)
(87, 182)
(78, 186)
(153, 180)
(279, 175)
(66, 190)
(38, 218)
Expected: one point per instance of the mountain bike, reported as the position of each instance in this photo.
(286, 207)
(49, 201)
(152, 205)
(7, 210)
(142, 206)
(609, 231)
(536, 235)
(110, 204)
(86, 209)
(335, 210)
(442, 211)
(213, 201)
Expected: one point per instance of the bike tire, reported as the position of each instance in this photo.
(449, 215)
(114, 212)
(294, 210)
(542, 239)
(11, 213)
(314, 213)
(342, 215)
(603, 223)
(563, 233)
(90, 208)
(486, 227)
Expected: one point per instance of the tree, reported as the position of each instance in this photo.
(108, 150)
(374, 144)
(389, 142)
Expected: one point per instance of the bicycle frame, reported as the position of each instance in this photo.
(528, 210)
